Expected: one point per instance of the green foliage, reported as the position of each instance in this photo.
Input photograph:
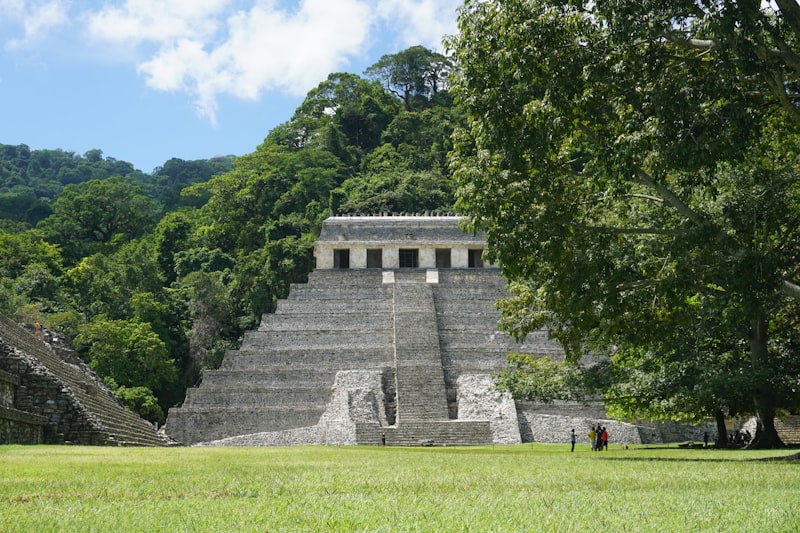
(104, 284)
(95, 215)
(540, 379)
(139, 400)
(625, 171)
(414, 75)
(130, 353)
(18, 250)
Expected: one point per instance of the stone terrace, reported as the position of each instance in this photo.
(421, 334)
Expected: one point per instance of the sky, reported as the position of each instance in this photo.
(148, 80)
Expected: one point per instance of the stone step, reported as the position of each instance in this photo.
(299, 340)
(293, 376)
(427, 433)
(345, 277)
(336, 307)
(190, 425)
(471, 277)
(339, 293)
(315, 321)
(258, 396)
(323, 357)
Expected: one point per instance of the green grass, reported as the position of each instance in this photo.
(501, 488)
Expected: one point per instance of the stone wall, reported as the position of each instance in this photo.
(67, 400)
(16, 427)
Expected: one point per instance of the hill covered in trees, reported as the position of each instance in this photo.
(155, 275)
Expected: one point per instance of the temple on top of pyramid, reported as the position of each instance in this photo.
(395, 242)
(393, 338)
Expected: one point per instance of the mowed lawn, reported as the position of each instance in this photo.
(498, 488)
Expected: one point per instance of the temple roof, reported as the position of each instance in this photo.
(445, 230)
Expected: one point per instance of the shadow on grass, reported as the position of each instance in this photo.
(795, 457)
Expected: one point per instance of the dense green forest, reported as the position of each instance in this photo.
(636, 168)
(155, 275)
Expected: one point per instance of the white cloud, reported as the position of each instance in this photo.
(243, 48)
(421, 21)
(37, 19)
(139, 21)
(261, 48)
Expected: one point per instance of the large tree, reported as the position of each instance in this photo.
(630, 159)
(414, 75)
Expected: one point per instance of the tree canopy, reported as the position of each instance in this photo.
(635, 168)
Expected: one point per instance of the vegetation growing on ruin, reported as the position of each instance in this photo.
(515, 488)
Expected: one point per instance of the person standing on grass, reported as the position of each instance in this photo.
(592, 436)
(604, 438)
(572, 439)
(598, 446)
(383, 439)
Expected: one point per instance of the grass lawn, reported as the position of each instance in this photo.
(501, 488)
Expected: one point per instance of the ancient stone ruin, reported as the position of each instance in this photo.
(46, 399)
(395, 333)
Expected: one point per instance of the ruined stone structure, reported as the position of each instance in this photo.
(396, 333)
(46, 399)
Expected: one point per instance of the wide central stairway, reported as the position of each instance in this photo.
(419, 330)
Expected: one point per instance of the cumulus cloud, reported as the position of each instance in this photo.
(238, 48)
(420, 21)
(37, 19)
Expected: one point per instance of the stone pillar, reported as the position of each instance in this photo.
(427, 258)
(358, 257)
(460, 257)
(391, 257)
(324, 257)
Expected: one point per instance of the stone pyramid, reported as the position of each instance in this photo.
(395, 332)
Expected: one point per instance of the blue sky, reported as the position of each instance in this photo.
(147, 80)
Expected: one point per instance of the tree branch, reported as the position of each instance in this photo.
(791, 289)
(791, 14)
(777, 85)
(633, 231)
(647, 180)
(669, 197)
(705, 45)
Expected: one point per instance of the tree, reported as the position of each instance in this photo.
(414, 75)
(95, 212)
(128, 352)
(627, 158)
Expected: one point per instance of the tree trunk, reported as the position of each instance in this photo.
(766, 436)
(722, 431)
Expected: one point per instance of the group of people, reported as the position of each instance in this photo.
(598, 438)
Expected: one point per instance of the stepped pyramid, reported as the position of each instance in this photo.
(56, 402)
(395, 332)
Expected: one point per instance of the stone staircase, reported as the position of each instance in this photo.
(280, 379)
(78, 407)
(427, 433)
(421, 331)
(418, 361)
